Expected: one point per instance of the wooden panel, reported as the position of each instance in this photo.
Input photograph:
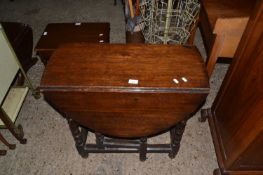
(206, 30)
(125, 114)
(8, 65)
(103, 67)
(231, 29)
(61, 33)
(237, 123)
(252, 159)
(216, 9)
(227, 20)
(94, 90)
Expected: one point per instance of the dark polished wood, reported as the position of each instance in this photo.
(94, 91)
(21, 38)
(222, 23)
(235, 118)
(57, 34)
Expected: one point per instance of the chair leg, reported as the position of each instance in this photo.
(16, 131)
(10, 146)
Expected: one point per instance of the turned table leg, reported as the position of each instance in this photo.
(176, 134)
(99, 140)
(143, 149)
(80, 137)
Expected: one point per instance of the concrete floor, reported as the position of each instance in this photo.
(50, 148)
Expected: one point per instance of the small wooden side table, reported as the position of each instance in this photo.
(57, 34)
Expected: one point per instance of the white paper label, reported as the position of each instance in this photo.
(45, 33)
(184, 79)
(77, 24)
(132, 81)
(101, 41)
(176, 81)
(101, 34)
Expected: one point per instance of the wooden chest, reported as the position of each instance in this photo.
(57, 34)
(126, 91)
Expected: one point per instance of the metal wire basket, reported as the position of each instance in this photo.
(168, 21)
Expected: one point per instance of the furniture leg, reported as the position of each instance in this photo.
(143, 149)
(191, 39)
(217, 172)
(17, 132)
(10, 146)
(79, 136)
(107, 145)
(212, 59)
(2, 152)
(84, 134)
(205, 113)
(36, 93)
(176, 134)
(99, 140)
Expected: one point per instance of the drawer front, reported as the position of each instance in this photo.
(126, 114)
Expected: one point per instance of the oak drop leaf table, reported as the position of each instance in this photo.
(126, 93)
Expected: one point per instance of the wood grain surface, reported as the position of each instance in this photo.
(94, 90)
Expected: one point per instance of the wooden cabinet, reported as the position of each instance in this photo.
(236, 117)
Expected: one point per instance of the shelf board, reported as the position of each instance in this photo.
(13, 102)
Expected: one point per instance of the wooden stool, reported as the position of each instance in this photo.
(56, 34)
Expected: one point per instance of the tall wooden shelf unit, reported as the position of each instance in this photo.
(236, 116)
